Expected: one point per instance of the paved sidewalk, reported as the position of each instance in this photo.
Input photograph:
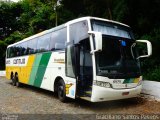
(151, 89)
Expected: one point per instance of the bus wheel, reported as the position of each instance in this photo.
(17, 83)
(13, 80)
(61, 91)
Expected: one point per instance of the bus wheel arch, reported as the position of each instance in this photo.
(11, 76)
(56, 83)
(59, 88)
(17, 83)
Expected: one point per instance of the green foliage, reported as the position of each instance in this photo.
(3, 47)
(153, 74)
(14, 37)
(9, 19)
(27, 17)
(121, 10)
(151, 65)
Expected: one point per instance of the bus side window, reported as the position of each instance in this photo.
(18, 50)
(59, 46)
(78, 34)
(24, 48)
(52, 42)
(43, 43)
(58, 39)
(32, 46)
(8, 52)
(12, 51)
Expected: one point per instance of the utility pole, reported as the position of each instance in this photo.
(56, 11)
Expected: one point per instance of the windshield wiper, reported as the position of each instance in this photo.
(134, 44)
(108, 68)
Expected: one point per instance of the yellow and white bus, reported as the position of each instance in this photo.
(91, 58)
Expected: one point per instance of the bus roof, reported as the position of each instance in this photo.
(96, 18)
(64, 25)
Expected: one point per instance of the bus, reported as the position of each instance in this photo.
(90, 58)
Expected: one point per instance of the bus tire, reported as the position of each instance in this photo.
(61, 91)
(17, 83)
(13, 80)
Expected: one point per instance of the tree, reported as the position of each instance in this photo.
(10, 14)
(28, 17)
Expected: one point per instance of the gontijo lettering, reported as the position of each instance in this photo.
(19, 61)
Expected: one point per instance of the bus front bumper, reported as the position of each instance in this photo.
(106, 94)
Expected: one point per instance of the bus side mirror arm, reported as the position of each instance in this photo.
(149, 48)
(98, 41)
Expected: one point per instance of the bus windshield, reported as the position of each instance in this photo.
(118, 56)
(112, 29)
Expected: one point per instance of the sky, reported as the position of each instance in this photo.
(15, 0)
(11, 0)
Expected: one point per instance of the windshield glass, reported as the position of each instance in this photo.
(117, 59)
(118, 56)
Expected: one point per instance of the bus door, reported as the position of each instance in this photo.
(77, 32)
(71, 69)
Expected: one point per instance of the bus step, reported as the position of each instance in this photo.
(86, 98)
(88, 93)
(89, 88)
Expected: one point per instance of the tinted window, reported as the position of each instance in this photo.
(12, 52)
(32, 46)
(17, 50)
(58, 39)
(111, 53)
(24, 48)
(8, 52)
(43, 43)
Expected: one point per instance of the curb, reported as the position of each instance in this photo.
(3, 73)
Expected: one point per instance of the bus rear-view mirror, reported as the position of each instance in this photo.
(144, 48)
(98, 41)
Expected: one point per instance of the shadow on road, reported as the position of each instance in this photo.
(111, 105)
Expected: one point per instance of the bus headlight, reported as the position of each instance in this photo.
(102, 84)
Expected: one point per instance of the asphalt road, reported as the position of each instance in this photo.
(31, 100)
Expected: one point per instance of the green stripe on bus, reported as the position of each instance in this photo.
(34, 69)
(41, 69)
(129, 80)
